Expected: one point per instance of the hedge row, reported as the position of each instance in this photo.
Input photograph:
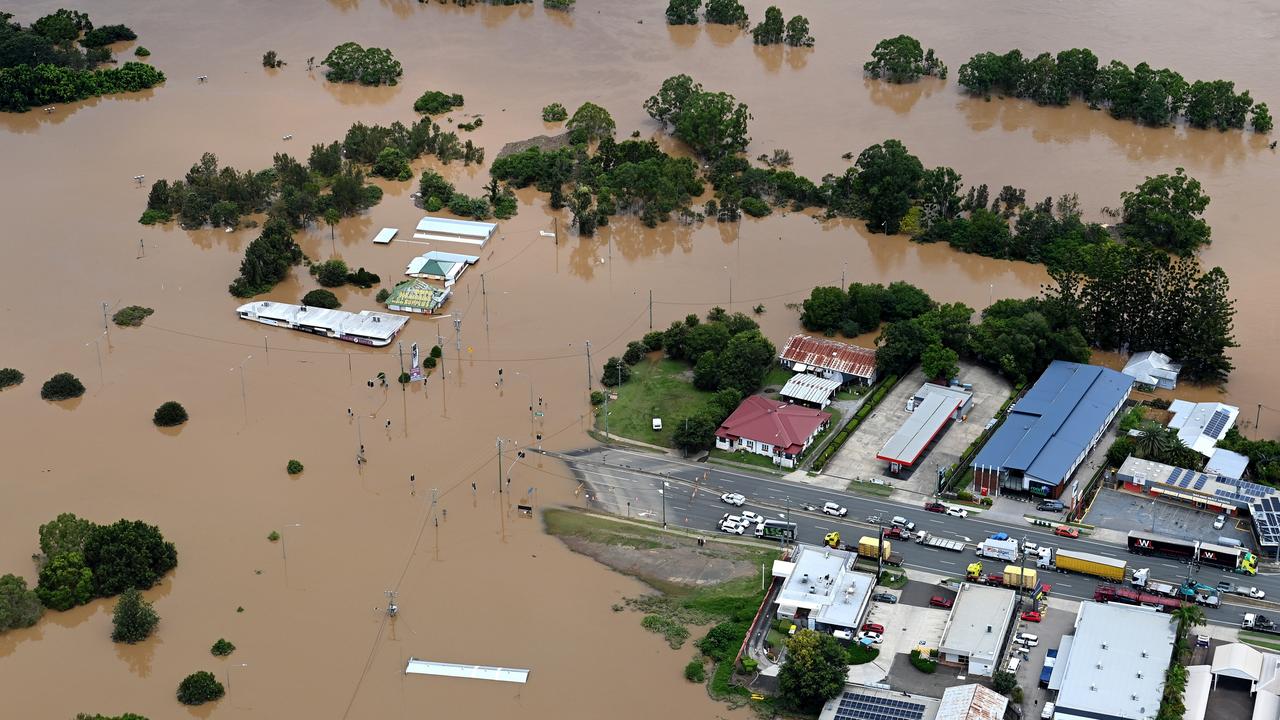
(870, 404)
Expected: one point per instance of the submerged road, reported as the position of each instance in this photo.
(631, 483)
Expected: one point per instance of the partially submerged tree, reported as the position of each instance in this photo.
(133, 619)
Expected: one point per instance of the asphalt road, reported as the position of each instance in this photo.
(631, 483)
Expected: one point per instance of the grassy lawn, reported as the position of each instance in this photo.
(746, 458)
(777, 377)
(866, 488)
(1267, 641)
(658, 388)
(852, 393)
(602, 530)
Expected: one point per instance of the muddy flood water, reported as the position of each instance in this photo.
(486, 587)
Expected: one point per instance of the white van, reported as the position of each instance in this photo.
(1013, 664)
(1047, 713)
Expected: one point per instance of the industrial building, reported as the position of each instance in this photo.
(821, 590)
(932, 408)
(1048, 433)
(976, 630)
(861, 702)
(830, 359)
(1103, 673)
(972, 702)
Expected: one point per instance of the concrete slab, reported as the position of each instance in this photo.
(1121, 510)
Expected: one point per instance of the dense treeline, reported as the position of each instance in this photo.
(41, 64)
(81, 560)
(1264, 455)
(1116, 297)
(350, 62)
(631, 177)
(1152, 96)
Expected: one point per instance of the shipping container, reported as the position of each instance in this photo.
(1090, 564)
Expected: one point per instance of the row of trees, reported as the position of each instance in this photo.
(862, 307)
(1117, 297)
(1152, 96)
(42, 64)
(437, 193)
(773, 31)
(902, 59)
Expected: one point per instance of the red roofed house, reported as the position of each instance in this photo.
(774, 429)
(830, 359)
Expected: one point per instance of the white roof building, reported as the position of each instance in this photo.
(822, 584)
(1114, 668)
(810, 389)
(1266, 704)
(1201, 425)
(1154, 369)
(1237, 660)
(1196, 696)
(1226, 463)
(972, 702)
(459, 231)
(976, 629)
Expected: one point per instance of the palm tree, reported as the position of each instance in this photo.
(1189, 616)
(331, 218)
(1155, 441)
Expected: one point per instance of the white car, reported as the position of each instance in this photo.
(735, 519)
(876, 481)
(1031, 548)
(735, 499)
(733, 528)
(1219, 521)
(870, 638)
(1027, 639)
(834, 509)
(1253, 592)
(957, 512)
(753, 518)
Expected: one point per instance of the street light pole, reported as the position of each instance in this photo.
(284, 552)
(241, 665)
(663, 492)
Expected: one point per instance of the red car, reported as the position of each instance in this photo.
(873, 627)
(935, 507)
(939, 601)
(1031, 616)
(893, 532)
(1065, 531)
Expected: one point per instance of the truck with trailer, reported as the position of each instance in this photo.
(776, 530)
(931, 540)
(868, 547)
(1259, 623)
(1083, 563)
(1225, 557)
(1006, 550)
(1142, 579)
(1015, 576)
(1050, 659)
(1133, 596)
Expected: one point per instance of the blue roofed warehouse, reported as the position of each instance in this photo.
(1048, 432)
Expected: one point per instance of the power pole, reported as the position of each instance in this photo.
(651, 312)
(400, 348)
(499, 466)
(555, 229)
(457, 334)
(104, 317)
(589, 369)
(484, 296)
(606, 414)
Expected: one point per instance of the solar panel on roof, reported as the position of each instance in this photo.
(859, 706)
(1200, 481)
(1173, 476)
(1216, 423)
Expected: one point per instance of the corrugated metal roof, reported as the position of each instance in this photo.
(466, 231)
(477, 672)
(810, 388)
(1111, 673)
(971, 702)
(1153, 368)
(1201, 425)
(830, 355)
(1226, 463)
(925, 422)
(384, 235)
(1052, 425)
(978, 622)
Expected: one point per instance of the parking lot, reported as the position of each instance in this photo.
(1125, 511)
(907, 624)
(856, 460)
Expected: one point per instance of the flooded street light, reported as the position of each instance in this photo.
(228, 673)
(284, 553)
(244, 398)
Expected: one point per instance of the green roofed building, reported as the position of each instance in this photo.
(417, 296)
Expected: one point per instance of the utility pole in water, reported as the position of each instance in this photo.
(650, 309)
(499, 466)
(104, 317)
(588, 366)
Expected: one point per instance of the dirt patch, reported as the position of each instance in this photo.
(545, 143)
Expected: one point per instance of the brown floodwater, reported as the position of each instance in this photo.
(489, 587)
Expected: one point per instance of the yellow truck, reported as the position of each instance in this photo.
(873, 548)
(1083, 563)
(1012, 574)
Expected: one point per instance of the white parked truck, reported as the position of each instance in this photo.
(1142, 578)
(1006, 550)
(926, 538)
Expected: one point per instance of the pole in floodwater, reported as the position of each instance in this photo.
(588, 366)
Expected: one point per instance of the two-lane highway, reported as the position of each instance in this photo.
(685, 494)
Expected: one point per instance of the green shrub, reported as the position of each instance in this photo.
(62, 386)
(382, 295)
(860, 654)
(321, 298)
(674, 633)
(723, 641)
(1004, 681)
(199, 688)
(433, 204)
(131, 316)
(349, 62)
(19, 607)
(404, 378)
(273, 536)
(597, 397)
(142, 52)
(169, 414)
(695, 671)
(555, 112)
(151, 217)
(133, 619)
(10, 377)
(749, 664)
(222, 648)
(434, 102)
(331, 273)
(436, 352)
(429, 362)
(293, 468)
(755, 207)
(923, 664)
